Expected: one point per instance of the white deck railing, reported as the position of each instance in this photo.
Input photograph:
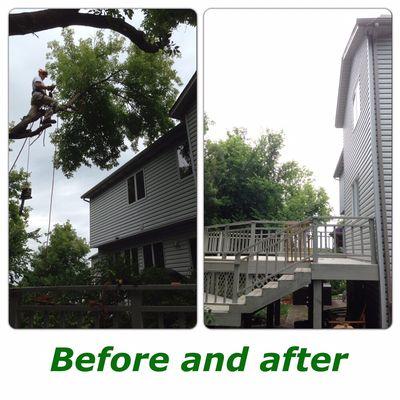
(262, 250)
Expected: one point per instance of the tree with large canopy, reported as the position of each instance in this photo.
(112, 91)
(62, 262)
(246, 181)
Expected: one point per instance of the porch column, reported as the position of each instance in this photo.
(277, 313)
(270, 315)
(317, 304)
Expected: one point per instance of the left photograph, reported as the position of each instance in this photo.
(102, 168)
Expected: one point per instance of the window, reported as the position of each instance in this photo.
(356, 104)
(136, 190)
(131, 257)
(153, 255)
(184, 160)
(355, 198)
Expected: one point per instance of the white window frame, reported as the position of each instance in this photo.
(177, 160)
(153, 258)
(135, 184)
(356, 103)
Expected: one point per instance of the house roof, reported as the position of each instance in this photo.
(339, 167)
(125, 170)
(185, 99)
(364, 26)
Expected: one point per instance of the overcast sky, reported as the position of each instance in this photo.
(279, 69)
(27, 54)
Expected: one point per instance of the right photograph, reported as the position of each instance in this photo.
(298, 168)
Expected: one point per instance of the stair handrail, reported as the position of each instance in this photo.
(282, 235)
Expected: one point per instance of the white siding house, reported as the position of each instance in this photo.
(364, 169)
(146, 209)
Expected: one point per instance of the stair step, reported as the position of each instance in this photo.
(255, 293)
(286, 277)
(217, 309)
(271, 285)
(303, 270)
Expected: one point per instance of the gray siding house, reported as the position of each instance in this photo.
(364, 169)
(146, 209)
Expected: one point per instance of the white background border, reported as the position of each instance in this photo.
(370, 372)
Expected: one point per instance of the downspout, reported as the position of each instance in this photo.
(379, 195)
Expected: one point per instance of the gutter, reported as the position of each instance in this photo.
(380, 212)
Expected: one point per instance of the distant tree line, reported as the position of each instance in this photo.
(247, 181)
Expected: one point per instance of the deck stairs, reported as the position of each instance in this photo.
(251, 264)
(261, 289)
(230, 314)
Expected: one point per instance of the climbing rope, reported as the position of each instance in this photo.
(51, 193)
(28, 157)
(19, 153)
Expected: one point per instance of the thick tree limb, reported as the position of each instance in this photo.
(31, 22)
(21, 131)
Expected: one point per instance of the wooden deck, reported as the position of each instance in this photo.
(326, 268)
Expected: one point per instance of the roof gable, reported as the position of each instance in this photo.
(364, 27)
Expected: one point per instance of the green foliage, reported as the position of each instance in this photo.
(114, 270)
(157, 24)
(338, 287)
(245, 181)
(62, 262)
(127, 94)
(19, 252)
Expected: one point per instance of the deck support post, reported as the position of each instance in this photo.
(277, 313)
(372, 240)
(236, 276)
(270, 315)
(14, 313)
(225, 243)
(252, 239)
(206, 239)
(315, 239)
(317, 304)
(136, 312)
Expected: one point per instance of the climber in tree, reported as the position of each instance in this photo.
(40, 98)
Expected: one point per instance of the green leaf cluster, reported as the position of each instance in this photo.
(157, 24)
(19, 234)
(63, 262)
(126, 95)
(245, 181)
